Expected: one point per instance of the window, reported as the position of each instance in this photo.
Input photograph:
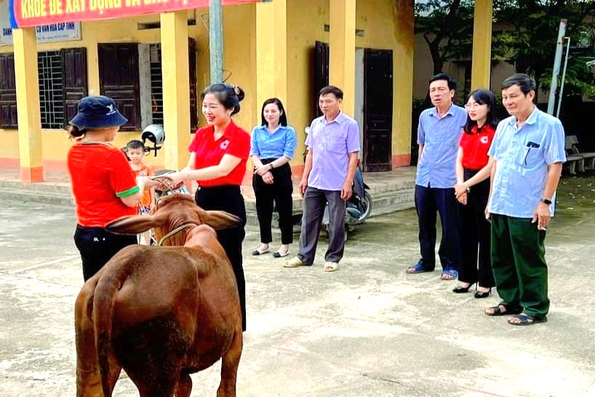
(156, 83)
(119, 80)
(131, 74)
(62, 79)
(8, 92)
(51, 89)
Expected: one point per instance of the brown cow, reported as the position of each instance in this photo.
(161, 313)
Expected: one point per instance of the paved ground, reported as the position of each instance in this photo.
(367, 330)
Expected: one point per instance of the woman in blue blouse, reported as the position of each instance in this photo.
(272, 146)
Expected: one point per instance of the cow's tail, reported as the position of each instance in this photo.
(103, 315)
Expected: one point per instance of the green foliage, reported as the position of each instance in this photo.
(533, 31)
(447, 28)
(526, 36)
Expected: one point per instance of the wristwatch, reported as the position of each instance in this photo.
(545, 201)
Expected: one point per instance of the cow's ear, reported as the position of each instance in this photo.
(132, 224)
(219, 219)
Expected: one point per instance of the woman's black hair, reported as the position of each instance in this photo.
(483, 97)
(228, 95)
(75, 132)
(282, 118)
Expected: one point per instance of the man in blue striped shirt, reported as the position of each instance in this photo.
(438, 136)
(528, 150)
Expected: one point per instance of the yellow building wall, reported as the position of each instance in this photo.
(385, 26)
(237, 61)
(379, 19)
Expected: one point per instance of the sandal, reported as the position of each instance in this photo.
(417, 268)
(502, 310)
(525, 319)
(330, 266)
(450, 274)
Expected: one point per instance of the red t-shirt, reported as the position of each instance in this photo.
(209, 152)
(475, 147)
(100, 175)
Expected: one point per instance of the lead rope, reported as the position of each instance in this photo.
(174, 232)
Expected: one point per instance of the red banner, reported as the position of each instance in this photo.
(26, 13)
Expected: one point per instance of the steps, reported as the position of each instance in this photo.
(390, 192)
(47, 193)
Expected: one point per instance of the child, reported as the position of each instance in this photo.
(136, 152)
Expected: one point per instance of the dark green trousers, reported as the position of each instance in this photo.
(518, 261)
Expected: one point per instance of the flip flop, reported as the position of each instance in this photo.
(417, 268)
(449, 274)
(525, 319)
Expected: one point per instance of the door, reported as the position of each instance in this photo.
(378, 109)
(74, 72)
(119, 79)
(321, 73)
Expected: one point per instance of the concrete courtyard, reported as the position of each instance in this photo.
(366, 330)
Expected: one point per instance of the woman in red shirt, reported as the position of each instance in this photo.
(473, 168)
(103, 184)
(218, 156)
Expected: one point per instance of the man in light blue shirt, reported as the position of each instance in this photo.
(528, 150)
(333, 147)
(438, 135)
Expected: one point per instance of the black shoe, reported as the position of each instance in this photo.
(482, 294)
(462, 290)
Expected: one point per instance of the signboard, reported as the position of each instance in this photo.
(46, 33)
(68, 31)
(27, 13)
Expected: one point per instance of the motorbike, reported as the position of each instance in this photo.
(358, 207)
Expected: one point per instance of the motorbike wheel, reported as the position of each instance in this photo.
(367, 207)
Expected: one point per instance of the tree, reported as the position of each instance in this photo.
(532, 32)
(527, 38)
(447, 28)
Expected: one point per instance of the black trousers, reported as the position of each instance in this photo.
(229, 198)
(97, 246)
(428, 201)
(476, 265)
(278, 192)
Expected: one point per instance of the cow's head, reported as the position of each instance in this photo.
(173, 212)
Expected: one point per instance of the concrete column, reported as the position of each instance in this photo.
(481, 62)
(176, 88)
(342, 50)
(29, 117)
(271, 52)
(403, 18)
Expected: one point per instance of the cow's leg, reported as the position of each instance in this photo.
(184, 386)
(229, 367)
(88, 379)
